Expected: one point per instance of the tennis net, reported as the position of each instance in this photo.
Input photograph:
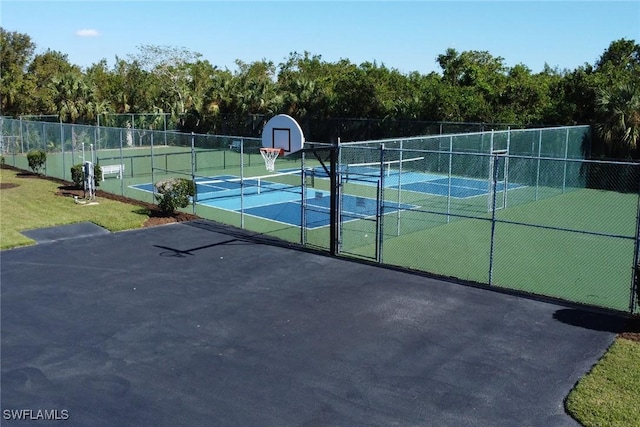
(231, 186)
(390, 167)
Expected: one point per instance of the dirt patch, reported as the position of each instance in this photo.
(633, 336)
(632, 330)
(29, 175)
(7, 185)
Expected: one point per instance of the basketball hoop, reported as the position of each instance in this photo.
(270, 155)
(281, 136)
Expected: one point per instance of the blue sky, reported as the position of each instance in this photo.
(405, 35)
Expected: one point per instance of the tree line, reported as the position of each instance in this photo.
(197, 96)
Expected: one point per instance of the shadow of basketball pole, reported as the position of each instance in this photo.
(172, 252)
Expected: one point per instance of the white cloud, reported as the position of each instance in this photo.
(87, 33)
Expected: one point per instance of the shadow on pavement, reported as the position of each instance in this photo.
(591, 320)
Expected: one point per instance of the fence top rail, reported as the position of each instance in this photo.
(454, 152)
(463, 134)
(209, 135)
(412, 138)
(510, 156)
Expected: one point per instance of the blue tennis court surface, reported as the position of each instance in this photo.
(231, 184)
(420, 182)
(281, 202)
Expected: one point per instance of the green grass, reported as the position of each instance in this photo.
(33, 204)
(608, 395)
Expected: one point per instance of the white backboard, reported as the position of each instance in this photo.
(283, 132)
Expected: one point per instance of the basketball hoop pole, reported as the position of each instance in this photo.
(334, 227)
(332, 172)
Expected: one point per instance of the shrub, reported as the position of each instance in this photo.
(36, 159)
(97, 174)
(174, 193)
(77, 174)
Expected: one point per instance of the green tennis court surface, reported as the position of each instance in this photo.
(534, 249)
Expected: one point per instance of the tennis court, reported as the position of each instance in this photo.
(428, 183)
(278, 198)
(566, 228)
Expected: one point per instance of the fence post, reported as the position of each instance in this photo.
(491, 199)
(566, 155)
(538, 168)
(193, 166)
(241, 183)
(153, 167)
(340, 201)
(634, 297)
(122, 163)
(494, 183)
(380, 213)
(449, 179)
(64, 168)
(44, 148)
(22, 138)
(506, 172)
(399, 196)
(303, 202)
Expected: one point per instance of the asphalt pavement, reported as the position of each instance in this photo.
(196, 324)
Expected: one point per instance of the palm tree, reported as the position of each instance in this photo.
(72, 97)
(618, 110)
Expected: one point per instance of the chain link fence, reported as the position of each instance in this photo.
(519, 209)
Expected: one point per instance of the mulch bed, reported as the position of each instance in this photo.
(69, 189)
(156, 216)
(632, 330)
